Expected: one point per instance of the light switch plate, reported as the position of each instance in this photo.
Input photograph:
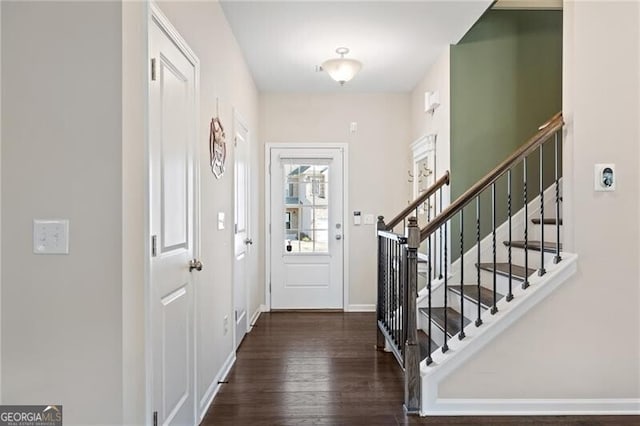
(368, 219)
(220, 221)
(51, 236)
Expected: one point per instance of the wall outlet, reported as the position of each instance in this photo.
(225, 324)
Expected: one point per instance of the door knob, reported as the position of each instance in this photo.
(338, 237)
(195, 264)
(248, 241)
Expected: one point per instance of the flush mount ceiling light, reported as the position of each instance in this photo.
(342, 69)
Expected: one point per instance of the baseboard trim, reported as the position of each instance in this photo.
(255, 316)
(361, 308)
(214, 388)
(537, 407)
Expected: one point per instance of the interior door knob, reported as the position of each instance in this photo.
(248, 241)
(195, 264)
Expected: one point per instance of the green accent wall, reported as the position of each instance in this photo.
(506, 80)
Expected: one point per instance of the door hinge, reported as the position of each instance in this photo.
(235, 228)
(153, 69)
(269, 168)
(269, 229)
(154, 245)
(269, 286)
(155, 418)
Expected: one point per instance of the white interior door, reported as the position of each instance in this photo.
(242, 240)
(172, 117)
(307, 245)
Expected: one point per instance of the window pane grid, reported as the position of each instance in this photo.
(306, 212)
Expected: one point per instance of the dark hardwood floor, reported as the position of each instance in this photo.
(322, 369)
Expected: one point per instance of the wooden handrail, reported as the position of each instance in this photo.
(545, 131)
(444, 180)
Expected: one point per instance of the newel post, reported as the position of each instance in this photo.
(411, 347)
(380, 343)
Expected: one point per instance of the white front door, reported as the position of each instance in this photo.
(307, 245)
(172, 118)
(242, 239)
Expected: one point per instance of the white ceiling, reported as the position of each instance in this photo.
(396, 41)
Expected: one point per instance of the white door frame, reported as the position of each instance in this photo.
(238, 119)
(155, 14)
(345, 207)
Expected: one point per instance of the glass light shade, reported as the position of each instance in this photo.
(342, 69)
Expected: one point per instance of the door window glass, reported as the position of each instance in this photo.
(306, 208)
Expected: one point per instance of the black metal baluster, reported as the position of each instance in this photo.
(445, 347)
(557, 257)
(494, 308)
(381, 301)
(396, 287)
(479, 320)
(434, 252)
(441, 241)
(525, 284)
(391, 278)
(401, 282)
(510, 295)
(542, 271)
(461, 335)
(429, 266)
(387, 283)
(392, 289)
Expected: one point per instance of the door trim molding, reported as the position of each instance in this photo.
(239, 120)
(155, 15)
(345, 207)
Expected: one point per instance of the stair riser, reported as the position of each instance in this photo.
(502, 281)
(470, 306)
(436, 334)
(549, 233)
(518, 255)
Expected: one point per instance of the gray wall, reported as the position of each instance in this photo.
(506, 80)
(61, 158)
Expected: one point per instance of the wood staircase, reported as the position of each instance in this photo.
(482, 295)
(433, 312)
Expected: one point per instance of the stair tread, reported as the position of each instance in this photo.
(534, 245)
(471, 292)
(453, 319)
(423, 339)
(547, 221)
(517, 271)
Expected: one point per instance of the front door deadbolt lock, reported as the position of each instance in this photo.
(195, 264)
